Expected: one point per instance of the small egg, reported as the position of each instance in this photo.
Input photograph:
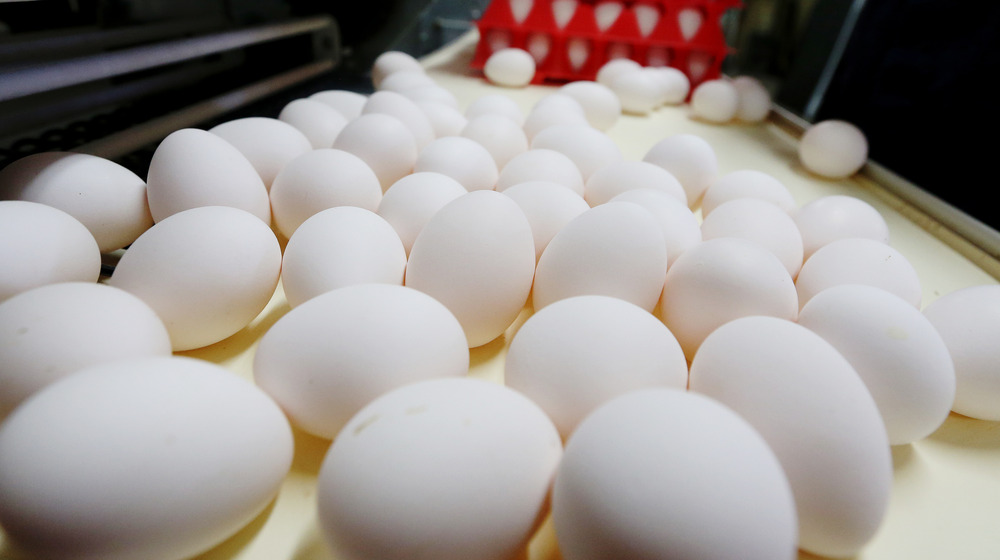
(401, 107)
(832, 217)
(638, 92)
(760, 221)
(340, 247)
(404, 80)
(616, 178)
(432, 93)
(268, 144)
(675, 84)
(715, 101)
(390, 62)
(320, 122)
(968, 320)
(690, 159)
(495, 103)
(747, 183)
(318, 180)
(580, 352)
(41, 245)
(541, 119)
(347, 103)
(460, 158)
(548, 206)
(445, 120)
(379, 336)
(589, 148)
(413, 200)
(610, 69)
(833, 149)
(502, 137)
(510, 67)
(679, 225)
(859, 261)
(600, 103)
(383, 142)
(559, 101)
(754, 103)
(541, 165)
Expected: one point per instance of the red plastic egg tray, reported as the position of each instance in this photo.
(578, 49)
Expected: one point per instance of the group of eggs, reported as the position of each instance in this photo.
(666, 396)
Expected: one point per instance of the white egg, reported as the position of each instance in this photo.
(615, 249)
(548, 206)
(320, 122)
(404, 109)
(616, 178)
(147, 458)
(553, 109)
(689, 158)
(393, 61)
(968, 319)
(105, 197)
(754, 100)
(510, 67)
(207, 272)
(437, 454)
(432, 93)
(677, 222)
(477, 256)
(589, 148)
(859, 261)
(816, 415)
(600, 103)
(612, 68)
(899, 355)
(715, 101)
(502, 137)
(383, 142)
(49, 332)
(191, 168)
(833, 149)
(268, 144)
(760, 221)
(347, 103)
(318, 180)
(404, 80)
(662, 473)
(638, 91)
(495, 103)
(541, 165)
(674, 83)
(413, 200)
(747, 183)
(460, 158)
(720, 280)
(378, 336)
(580, 352)
(40, 245)
(833, 217)
(444, 119)
(340, 247)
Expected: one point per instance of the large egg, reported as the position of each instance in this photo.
(346, 102)
(495, 104)
(269, 144)
(477, 256)
(689, 158)
(413, 200)
(149, 458)
(548, 206)
(460, 158)
(501, 137)
(859, 261)
(404, 109)
(616, 178)
(677, 222)
(589, 148)
(833, 217)
(747, 183)
(383, 142)
(760, 221)
(541, 165)
(599, 102)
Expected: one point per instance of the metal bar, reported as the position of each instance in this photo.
(837, 53)
(50, 76)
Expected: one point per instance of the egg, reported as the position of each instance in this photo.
(411, 474)
(104, 196)
(600, 103)
(677, 222)
(347, 103)
(501, 137)
(615, 249)
(207, 272)
(268, 144)
(404, 80)
(720, 280)
(968, 320)
(340, 247)
(477, 256)
(690, 159)
(495, 104)
(895, 349)
(548, 206)
(541, 165)
(747, 183)
(40, 245)
(445, 120)
(392, 61)
(413, 200)
(675, 84)
(816, 415)
(832, 217)
(662, 473)
(318, 121)
(615, 178)
(578, 353)
(833, 149)
(510, 67)
(191, 168)
(589, 148)
(541, 118)
(460, 158)
(404, 109)
(613, 67)
(383, 142)
(432, 93)
(160, 457)
(318, 180)
(376, 336)
(753, 99)
(859, 261)
(715, 101)
(760, 221)
(49, 332)
(638, 92)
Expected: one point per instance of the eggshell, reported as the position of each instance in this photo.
(541, 165)
(715, 101)
(568, 111)
(460, 158)
(613, 250)
(589, 148)
(818, 418)
(495, 104)
(383, 142)
(689, 158)
(510, 67)
(347, 103)
(477, 256)
(581, 352)
(614, 67)
(105, 197)
(548, 206)
(832, 217)
(675, 84)
(40, 244)
(413, 200)
(501, 137)
(404, 109)
(747, 183)
(404, 80)
(661, 473)
(968, 320)
(432, 94)
(897, 352)
(379, 336)
(677, 222)
(760, 221)
(482, 447)
(207, 272)
(50, 332)
(393, 61)
(615, 178)
(753, 99)
(638, 92)
(720, 280)
(268, 144)
(191, 168)
(145, 458)
(340, 247)
(600, 103)
(445, 120)
(859, 261)
(318, 121)
(833, 149)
